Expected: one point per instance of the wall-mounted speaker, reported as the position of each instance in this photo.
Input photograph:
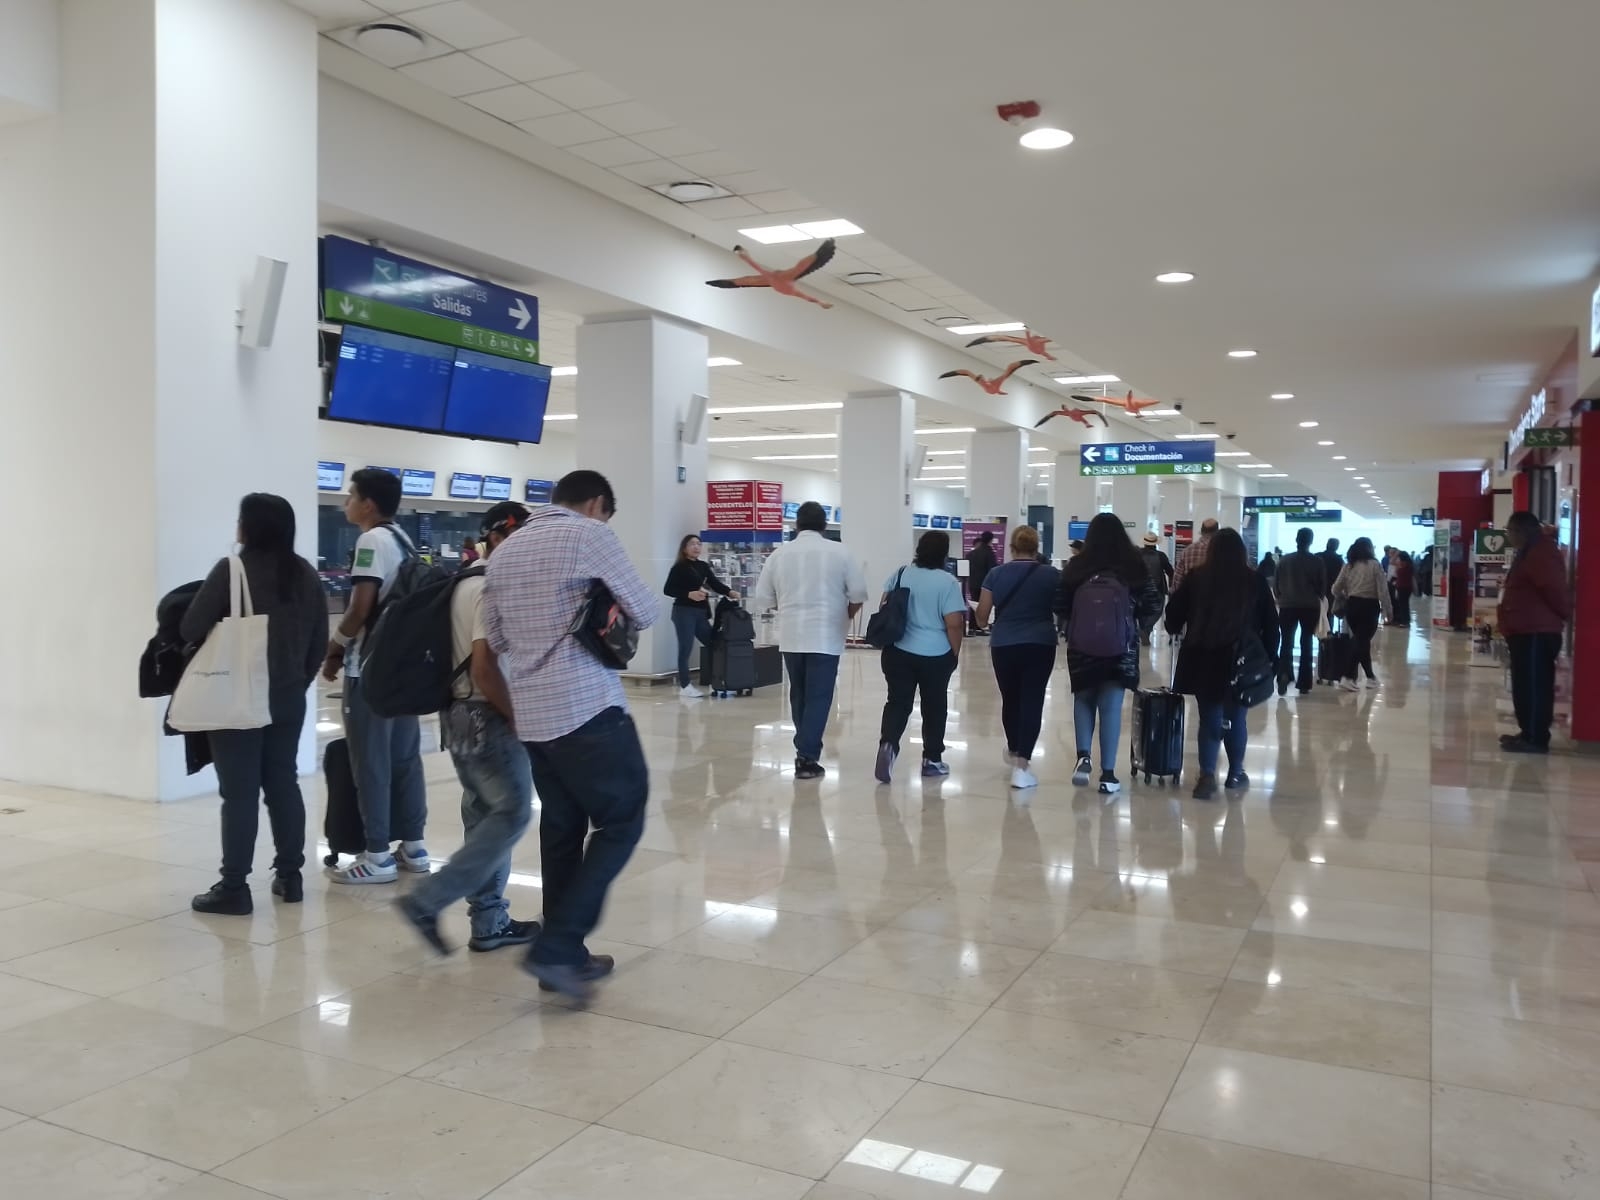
(694, 421)
(258, 318)
(919, 460)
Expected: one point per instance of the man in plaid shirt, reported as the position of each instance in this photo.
(588, 765)
(1196, 553)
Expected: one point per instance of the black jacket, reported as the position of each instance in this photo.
(1302, 582)
(692, 575)
(1206, 663)
(297, 626)
(1089, 671)
(982, 560)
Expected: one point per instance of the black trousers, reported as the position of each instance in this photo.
(907, 676)
(1022, 674)
(1305, 621)
(1362, 613)
(1533, 682)
(1402, 606)
(256, 765)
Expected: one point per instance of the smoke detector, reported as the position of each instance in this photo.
(687, 191)
(388, 41)
(860, 277)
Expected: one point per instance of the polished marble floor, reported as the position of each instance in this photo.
(1376, 975)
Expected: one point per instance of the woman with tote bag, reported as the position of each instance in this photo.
(261, 622)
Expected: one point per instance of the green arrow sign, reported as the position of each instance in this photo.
(1557, 435)
(362, 310)
(1148, 468)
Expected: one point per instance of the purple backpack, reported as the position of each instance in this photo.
(1101, 625)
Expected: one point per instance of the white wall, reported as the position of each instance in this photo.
(30, 57)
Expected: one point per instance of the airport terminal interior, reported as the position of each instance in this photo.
(1318, 275)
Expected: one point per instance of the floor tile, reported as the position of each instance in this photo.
(409, 1137)
(113, 962)
(1323, 964)
(24, 1000)
(1513, 1147)
(1543, 870)
(1512, 939)
(1554, 994)
(1065, 1064)
(1175, 1164)
(907, 961)
(607, 1164)
(1117, 994)
(1172, 945)
(775, 1110)
(769, 937)
(1325, 1027)
(209, 1187)
(173, 1111)
(1345, 921)
(1357, 1118)
(1563, 907)
(708, 996)
(874, 1028)
(981, 918)
(871, 902)
(1179, 900)
(1404, 888)
(45, 1161)
(940, 1142)
(1524, 1058)
(576, 1064)
(48, 881)
(44, 924)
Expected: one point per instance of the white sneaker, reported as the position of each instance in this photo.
(412, 860)
(367, 868)
(1022, 778)
(1080, 773)
(691, 692)
(1349, 685)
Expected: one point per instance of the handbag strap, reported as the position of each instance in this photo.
(1018, 586)
(240, 602)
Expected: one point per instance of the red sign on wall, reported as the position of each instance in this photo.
(769, 506)
(744, 504)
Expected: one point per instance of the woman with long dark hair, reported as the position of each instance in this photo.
(925, 656)
(1405, 582)
(1362, 593)
(252, 762)
(689, 583)
(1104, 591)
(1219, 602)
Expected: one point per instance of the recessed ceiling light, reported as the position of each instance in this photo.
(1175, 277)
(937, 453)
(1324, 443)
(777, 437)
(1255, 466)
(1085, 380)
(1358, 478)
(1341, 458)
(710, 362)
(721, 361)
(1309, 424)
(1274, 475)
(388, 39)
(772, 235)
(1163, 412)
(860, 277)
(563, 370)
(1197, 437)
(1233, 454)
(1045, 137)
(792, 457)
(561, 416)
(952, 321)
(826, 229)
(1349, 468)
(1283, 395)
(1241, 353)
(687, 191)
(947, 429)
(824, 406)
(1002, 327)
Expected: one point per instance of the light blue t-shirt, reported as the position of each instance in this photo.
(934, 594)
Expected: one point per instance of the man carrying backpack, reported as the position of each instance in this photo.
(1159, 567)
(385, 752)
(492, 764)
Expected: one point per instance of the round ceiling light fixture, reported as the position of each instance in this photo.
(1241, 353)
(1175, 277)
(687, 191)
(859, 277)
(1035, 133)
(952, 320)
(389, 40)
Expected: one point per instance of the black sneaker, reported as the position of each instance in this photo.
(224, 901)
(1110, 785)
(289, 887)
(1519, 745)
(425, 924)
(1283, 685)
(1237, 782)
(1205, 787)
(1080, 773)
(513, 933)
(577, 982)
(1510, 739)
(808, 768)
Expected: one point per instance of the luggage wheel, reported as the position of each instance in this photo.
(330, 860)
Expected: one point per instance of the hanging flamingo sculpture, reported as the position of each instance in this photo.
(782, 282)
(994, 386)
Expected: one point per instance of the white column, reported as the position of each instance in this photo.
(1177, 502)
(636, 374)
(996, 466)
(1073, 496)
(1207, 503)
(1230, 512)
(1133, 499)
(875, 464)
(182, 145)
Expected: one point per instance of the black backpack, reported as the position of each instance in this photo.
(408, 662)
(888, 625)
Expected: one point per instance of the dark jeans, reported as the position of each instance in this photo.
(1361, 613)
(386, 756)
(1402, 606)
(1022, 673)
(1533, 682)
(693, 626)
(1306, 621)
(909, 675)
(1222, 725)
(593, 776)
(811, 680)
(252, 763)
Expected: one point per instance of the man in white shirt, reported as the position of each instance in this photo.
(492, 764)
(385, 752)
(817, 588)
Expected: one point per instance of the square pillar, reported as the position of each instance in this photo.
(876, 431)
(1134, 500)
(997, 465)
(1177, 502)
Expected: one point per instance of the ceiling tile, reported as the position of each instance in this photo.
(568, 129)
(725, 209)
(515, 103)
(455, 74)
(744, 183)
(613, 152)
(629, 117)
(782, 200)
(656, 171)
(710, 163)
(674, 142)
(581, 90)
(523, 59)
(902, 296)
(459, 24)
(332, 14)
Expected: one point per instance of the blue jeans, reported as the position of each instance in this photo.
(693, 626)
(811, 680)
(1106, 702)
(496, 806)
(386, 756)
(596, 776)
(1222, 724)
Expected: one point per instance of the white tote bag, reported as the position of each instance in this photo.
(1323, 629)
(225, 685)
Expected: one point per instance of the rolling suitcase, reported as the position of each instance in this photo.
(1157, 741)
(1336, 657)
(733, 651)
(342, 826)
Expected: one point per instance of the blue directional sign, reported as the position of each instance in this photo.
(368, 285)
(1148, 458)
(1280, 504)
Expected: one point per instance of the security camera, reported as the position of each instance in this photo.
(1231, 436)
(1178, 404)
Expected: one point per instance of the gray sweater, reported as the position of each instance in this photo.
(297, 628)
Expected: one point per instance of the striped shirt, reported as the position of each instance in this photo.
(537, 580)
(1194, 555)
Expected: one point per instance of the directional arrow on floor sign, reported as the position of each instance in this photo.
(519, 312)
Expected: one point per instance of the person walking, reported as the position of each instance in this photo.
(980, 561)
(1269, 570)
(257, 764)
(1195, 552)
(1405, 582)
(689, 583)
(1300, 588)
(1103, 593)
(1362, 593)
(492, 765)
(1218, 604)
(921, 662)
(817, 589)
(1332, 564)
(1022, 645)
(570, 713)
(1159, 568)
(1535, 605)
